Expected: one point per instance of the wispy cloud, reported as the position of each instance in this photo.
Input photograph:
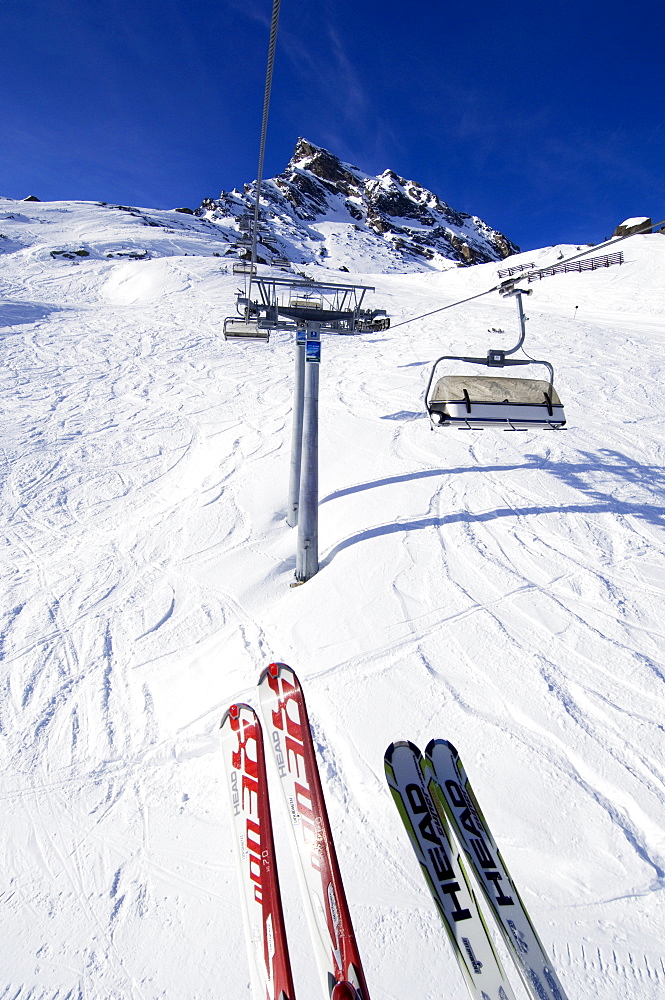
(253, 10)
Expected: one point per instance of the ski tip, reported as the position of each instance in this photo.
(233, 712)
(344, 991)
(431, 746)
(398, 744)
(273, 670)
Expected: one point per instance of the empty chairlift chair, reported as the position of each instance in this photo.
(244, 267)
(472, 402)
(240, 328)
(248, 323)
(475, 401)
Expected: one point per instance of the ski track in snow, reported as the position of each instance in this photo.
(504, 591)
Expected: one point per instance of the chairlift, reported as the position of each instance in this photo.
(273, 303)
(239, 328)
(307, 306)
(244, 267)
(472, 402)
(313, 312)
(308, 300)
(247, 324)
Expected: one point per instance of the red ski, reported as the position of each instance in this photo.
(245, 771)
(288, 733)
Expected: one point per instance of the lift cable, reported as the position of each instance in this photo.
(509, 282)
(452, 305)
(264, 125)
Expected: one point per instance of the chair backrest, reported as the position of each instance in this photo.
(494, 389)
(491, 400)
(240, 329)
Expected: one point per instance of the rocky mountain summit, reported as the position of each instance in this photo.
(322, 210)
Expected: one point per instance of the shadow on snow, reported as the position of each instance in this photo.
(613, 467)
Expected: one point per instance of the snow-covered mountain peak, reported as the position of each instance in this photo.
(323, 210)
(324, 165)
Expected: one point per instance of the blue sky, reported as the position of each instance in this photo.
(545, 119)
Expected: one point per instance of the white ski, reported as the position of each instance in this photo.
(245, 773)
(451, 792)
(445, 874)
(288, 733)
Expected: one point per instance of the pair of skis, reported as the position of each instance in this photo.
(455, 848)
(287, 733)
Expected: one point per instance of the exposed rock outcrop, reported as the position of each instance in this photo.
(318, 199)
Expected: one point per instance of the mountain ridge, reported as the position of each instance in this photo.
(323, 210)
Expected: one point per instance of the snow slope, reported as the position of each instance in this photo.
(504, 591)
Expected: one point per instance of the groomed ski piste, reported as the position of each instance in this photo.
(503, 591)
